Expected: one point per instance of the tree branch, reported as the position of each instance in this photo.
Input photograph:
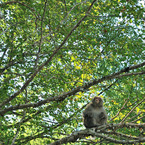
(119, 110)
(132, 110)
(15, 2)
(100, 133)
(74, 91)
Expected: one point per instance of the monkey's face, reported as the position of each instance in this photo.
(97, 101)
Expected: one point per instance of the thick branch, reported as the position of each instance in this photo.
(72, 92)
(87, 132)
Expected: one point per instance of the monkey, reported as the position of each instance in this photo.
(95, 115)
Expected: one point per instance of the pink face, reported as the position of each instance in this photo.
(97, 99)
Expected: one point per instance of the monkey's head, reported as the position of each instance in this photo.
(97, 102)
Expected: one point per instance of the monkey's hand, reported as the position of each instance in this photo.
(102, 116)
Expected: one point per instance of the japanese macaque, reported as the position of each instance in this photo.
(95, 115)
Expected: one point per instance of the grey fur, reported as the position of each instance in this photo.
(95, 115)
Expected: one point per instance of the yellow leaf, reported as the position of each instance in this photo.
(116, 103)
(83, 76)
(121, 115)
(137, 110)
(72, 58)
(78, 67)
(79, 95)
(20, 96)
(117, 118)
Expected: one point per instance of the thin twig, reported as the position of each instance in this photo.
(138, 119)
(119, 110)
(41, 29)
(18, 130)
(134, 116)
(131, 111)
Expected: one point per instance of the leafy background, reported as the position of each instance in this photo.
(57, 55)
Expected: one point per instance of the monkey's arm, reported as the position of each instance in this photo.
(87, 113)
(103, 117)
(89, 119)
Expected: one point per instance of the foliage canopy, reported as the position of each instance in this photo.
(57, 55)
